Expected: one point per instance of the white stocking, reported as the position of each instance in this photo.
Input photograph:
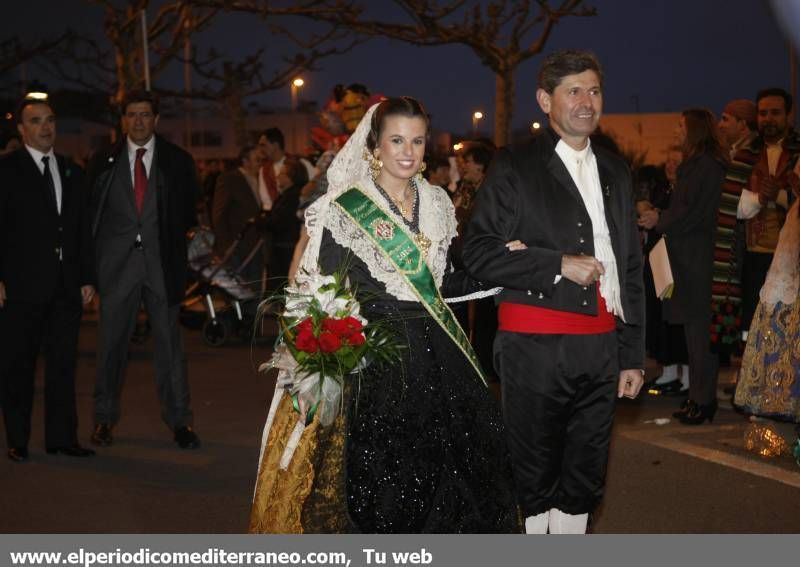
(563, 523)
(668, 374)
(684, 376)
(537, 524)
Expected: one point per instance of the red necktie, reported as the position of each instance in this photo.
(139, 179)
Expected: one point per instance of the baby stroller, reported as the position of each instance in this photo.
(230, 304)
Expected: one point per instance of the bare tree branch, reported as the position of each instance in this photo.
(14, 53)
(497, 32)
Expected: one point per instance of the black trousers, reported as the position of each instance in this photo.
(703, 364)
(558, 396)
(25, 330)
(754, 272)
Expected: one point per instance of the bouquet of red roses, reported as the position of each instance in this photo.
(323, 338)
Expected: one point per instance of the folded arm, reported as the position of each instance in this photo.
(493, 224)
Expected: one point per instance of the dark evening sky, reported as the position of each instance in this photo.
(659, 55)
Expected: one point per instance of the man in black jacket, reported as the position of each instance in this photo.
(571, 315)
(143, 201)
(46, 273)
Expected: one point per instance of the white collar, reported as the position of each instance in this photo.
(132, 147)
(779, 143)
(565, 151)
(37, 155)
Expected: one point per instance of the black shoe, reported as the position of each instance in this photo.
(102, 435)
(70, 451)
(186, 438)
(684, 409)
(18, 454)
(697, 414)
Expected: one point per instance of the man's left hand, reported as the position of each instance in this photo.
(87, 293)
(630, 382)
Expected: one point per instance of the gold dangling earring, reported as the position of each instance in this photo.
(374, 163)
(420, 171)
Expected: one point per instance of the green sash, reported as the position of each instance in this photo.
(399, 248)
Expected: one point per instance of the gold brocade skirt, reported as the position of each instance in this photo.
(309, 495)
(769, 380)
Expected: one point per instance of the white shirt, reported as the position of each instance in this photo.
(53, 166)
(749, 205)
(310, 169)
(582, 167)
(147, 158)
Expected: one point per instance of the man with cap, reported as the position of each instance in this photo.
(737, 125)
(738, 130)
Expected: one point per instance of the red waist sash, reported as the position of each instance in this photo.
(519, 318)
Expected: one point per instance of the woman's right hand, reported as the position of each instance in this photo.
(648, 219)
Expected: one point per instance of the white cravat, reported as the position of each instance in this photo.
(582, 167)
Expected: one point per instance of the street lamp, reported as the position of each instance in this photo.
(36, 91)
(476, 117)
(296, 84)
(535, 126)
(36, 95)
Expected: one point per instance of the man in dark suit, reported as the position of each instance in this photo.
(45, 274)
(571, 315)
(236, 200)
(143, 193)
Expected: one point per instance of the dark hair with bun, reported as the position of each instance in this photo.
(396, 106)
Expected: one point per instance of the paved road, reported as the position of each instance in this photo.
(662, 478)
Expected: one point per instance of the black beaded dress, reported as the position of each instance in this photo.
(419, 446)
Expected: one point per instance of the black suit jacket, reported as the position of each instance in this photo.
(282, 222)
(31, 230)
(177, 190)
(529, 195)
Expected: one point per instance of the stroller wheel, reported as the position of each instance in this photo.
(216, 332)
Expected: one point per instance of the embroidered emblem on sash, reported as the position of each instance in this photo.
(382, 229)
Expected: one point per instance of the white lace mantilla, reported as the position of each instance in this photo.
(436, 220)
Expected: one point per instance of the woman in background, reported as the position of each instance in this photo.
(689, 226)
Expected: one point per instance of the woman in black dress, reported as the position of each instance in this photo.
(418, 447)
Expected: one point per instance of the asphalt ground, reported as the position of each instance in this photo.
(663, 477)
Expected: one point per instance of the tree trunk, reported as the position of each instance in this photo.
(239, 119)
(503, 105)
(234, 108)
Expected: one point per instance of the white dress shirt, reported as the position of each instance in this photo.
(53, 165)
(147, 158)
(582, 167)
